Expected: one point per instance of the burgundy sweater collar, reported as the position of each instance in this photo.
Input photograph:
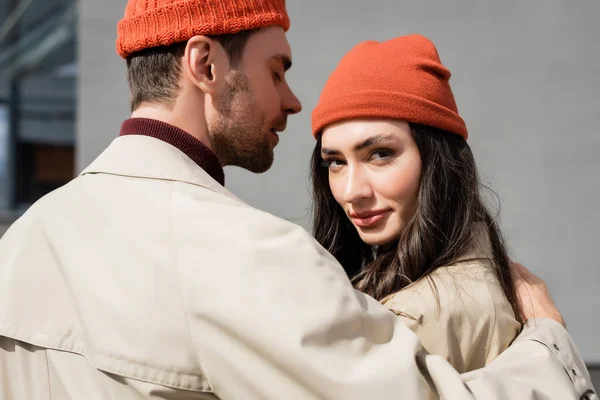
(186, 143)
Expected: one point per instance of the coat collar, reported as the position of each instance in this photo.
(147, 157)
(189, 145)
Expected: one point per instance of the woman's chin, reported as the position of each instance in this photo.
(377, 239)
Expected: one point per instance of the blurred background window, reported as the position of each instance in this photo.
(38, 79)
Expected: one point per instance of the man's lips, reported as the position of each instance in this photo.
(275, 135)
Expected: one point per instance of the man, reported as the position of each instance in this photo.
(144, 278)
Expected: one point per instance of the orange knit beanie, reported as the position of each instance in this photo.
(152, 23)
(402, 78)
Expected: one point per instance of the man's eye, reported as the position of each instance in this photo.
(276, 76)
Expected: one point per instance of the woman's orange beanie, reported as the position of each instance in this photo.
(402, 78)
(152, 23)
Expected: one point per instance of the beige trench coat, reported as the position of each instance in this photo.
(144, 278)
(460, 311)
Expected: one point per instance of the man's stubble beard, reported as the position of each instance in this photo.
(238, 135)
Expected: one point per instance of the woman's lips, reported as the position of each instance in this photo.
(369, 218)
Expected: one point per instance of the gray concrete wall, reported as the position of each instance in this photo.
(525, 76)
(103, 101)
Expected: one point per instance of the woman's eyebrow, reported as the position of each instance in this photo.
(376, 139)
(329, 152)
(368, 142)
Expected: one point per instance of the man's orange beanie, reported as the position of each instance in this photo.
(152, 23)
(402, 78)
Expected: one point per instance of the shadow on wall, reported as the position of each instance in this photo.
(3, 229)
(595, 374)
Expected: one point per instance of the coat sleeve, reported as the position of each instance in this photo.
(542, 363)
(272, 315)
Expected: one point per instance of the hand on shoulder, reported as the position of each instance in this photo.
(533, 296)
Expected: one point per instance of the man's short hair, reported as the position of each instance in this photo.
(154, 73)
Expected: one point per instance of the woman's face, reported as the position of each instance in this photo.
(374, 175)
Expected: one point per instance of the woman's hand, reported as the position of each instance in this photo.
(533, 297)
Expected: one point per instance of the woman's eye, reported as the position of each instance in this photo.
(332, 164)
(380, 155)
(276, 76)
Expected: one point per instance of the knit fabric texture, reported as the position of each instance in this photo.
(152, 23)
(402, 78)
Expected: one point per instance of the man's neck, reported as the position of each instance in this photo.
(189, 125)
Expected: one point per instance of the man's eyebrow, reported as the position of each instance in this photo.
(284, 60)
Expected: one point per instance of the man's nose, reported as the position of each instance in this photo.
(290, 103)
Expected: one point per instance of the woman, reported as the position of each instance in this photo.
(397, 201)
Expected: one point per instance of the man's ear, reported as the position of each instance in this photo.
(205, 63)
